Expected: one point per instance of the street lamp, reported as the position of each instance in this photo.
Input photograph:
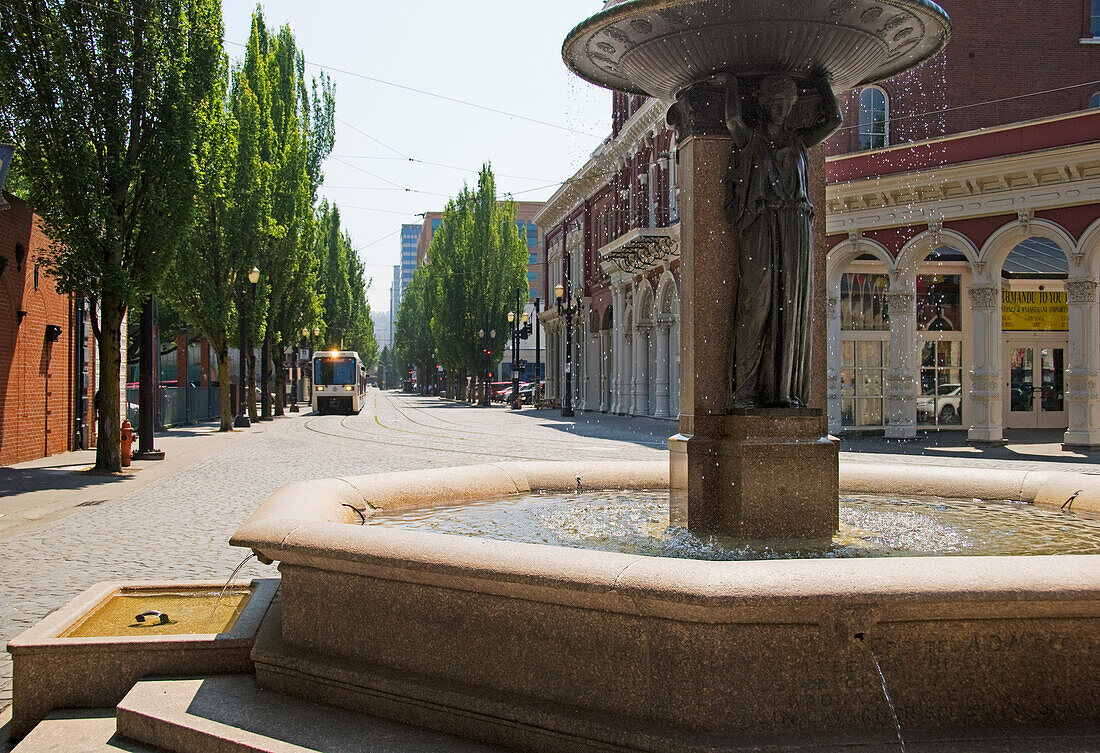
(566, 306)
(519, 332)
(242, 420)
(298, 370)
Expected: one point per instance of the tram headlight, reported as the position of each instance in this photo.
(348, 387)
(320, 388)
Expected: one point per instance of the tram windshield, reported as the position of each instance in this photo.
(334, 371)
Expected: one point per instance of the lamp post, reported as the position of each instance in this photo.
(520, 331)
(298, 371)
(242, 421)
(566, 306)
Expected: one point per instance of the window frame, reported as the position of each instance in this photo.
(863, 128)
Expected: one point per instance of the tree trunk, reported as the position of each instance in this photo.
(223, 385)
(280, 380)
(249, 392)
(265, 377)
(108, 451)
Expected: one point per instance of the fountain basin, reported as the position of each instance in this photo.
(82, 657)
(545, 648)
(660, 47)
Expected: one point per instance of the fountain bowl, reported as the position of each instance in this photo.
(660, 47)
(547, 648)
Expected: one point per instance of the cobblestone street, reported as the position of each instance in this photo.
(178, 525)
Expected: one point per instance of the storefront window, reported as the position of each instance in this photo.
(863, 303)
(940, 401)
(863, 369)
(939, 299)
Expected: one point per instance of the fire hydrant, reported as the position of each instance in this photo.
(128, 436)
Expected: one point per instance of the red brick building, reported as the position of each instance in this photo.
(940, 236)
(41, 363)
(1007, 61)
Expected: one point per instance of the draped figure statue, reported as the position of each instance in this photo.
(768, 201)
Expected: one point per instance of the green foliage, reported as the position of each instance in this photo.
(477, 266)
(200, 282)
(103, 101)
(346, 312)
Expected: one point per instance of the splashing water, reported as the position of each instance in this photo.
(889, 700)
(637, 522)
(232, 575)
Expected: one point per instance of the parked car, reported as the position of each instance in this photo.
(945, 407)
(497, 390)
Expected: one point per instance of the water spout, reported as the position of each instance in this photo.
(885, 693)
(232, 575)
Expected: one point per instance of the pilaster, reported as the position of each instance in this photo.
(901, 387)
(985, 375)
(1083, 372)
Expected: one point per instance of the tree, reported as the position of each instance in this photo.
(343, 288)
(294, 130)
(477, 264)
(104, 103)
(200, 283)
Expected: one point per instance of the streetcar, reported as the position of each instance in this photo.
(339, 382)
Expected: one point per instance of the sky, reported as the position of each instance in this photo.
(499, 54)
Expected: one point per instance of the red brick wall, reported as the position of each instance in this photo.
(35, 383)
(998, 49)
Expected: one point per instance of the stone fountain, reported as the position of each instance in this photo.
(543, 648)
(752, 458)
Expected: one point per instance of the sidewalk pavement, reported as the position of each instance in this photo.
(39, 491)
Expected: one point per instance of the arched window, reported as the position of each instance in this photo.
(1094, 100)
(874, 118)
(1094, 21)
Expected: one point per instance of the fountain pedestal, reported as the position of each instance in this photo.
(760, 473)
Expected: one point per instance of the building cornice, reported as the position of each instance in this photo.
(602, 166)
(1057, 177)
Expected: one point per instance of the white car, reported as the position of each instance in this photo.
(949, 400)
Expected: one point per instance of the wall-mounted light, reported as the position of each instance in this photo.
(53, 333)
(20, 255)
(20, 315)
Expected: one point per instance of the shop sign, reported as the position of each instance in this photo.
(1034, 311)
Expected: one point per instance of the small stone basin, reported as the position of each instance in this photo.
(89, 653)
(184, 613)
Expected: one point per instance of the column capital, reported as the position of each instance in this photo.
(901, 300)
(1081, 291)
(984, 296)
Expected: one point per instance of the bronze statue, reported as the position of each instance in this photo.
(769, 204)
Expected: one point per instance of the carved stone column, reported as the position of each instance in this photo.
(605, 366)
(985, 375)
(674, 369)
(661, 408)
(1083, 372)
(832, 394)
(641, 363)
(755, 473)
(626, 404)
(618, 294)
(901, 386)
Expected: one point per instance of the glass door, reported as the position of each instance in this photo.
(1036, 386)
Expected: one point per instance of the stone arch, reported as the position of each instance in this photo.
(845, 252)
(919, 246)
(643, 303)
(608, 319)
(1089, 248)
(668, 295)
(1001, 243)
